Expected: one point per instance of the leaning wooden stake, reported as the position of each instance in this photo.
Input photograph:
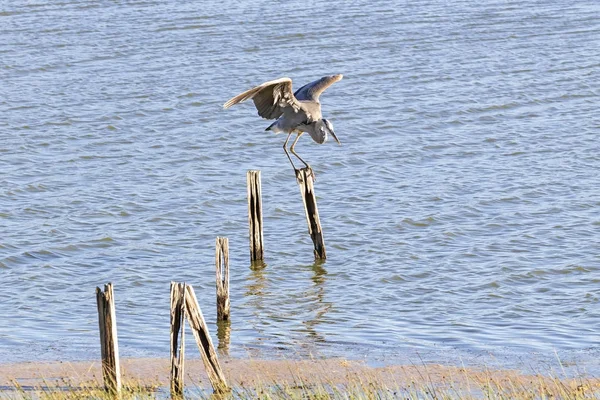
(177, 339)
(255, 219)
(304, 177)
(107, 321)
(207, 351)
(222, 266)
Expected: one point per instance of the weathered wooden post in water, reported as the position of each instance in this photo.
(304, 177)
(202, 336)
(107, 321)
(255, 216)
(222, 266)
(177, 339)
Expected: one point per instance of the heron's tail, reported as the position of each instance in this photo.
(273, 127)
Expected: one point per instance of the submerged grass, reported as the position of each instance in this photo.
(461, 384)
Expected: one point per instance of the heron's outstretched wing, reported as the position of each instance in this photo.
(313, 90)
(270, 98)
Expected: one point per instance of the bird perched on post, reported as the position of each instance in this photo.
(297, 112)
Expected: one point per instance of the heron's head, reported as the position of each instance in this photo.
(327, 128)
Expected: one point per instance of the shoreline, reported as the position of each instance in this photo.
(252, 373)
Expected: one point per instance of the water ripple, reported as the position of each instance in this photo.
(459, 213)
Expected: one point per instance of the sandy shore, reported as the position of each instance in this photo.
(252, 373)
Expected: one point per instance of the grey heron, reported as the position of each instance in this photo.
(297, 112)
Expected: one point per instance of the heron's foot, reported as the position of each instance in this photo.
(309, 173)
(299, 177)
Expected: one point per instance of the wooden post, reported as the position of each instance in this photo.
(207, 351)
(304, 177)
(107, 321)
(255, 219)
(222, 266)
(177, 349)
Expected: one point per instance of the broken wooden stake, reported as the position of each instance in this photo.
(255, 218)
(177, 339)
(109, 347)
(207, 350)
(222, 266)
(304, 177)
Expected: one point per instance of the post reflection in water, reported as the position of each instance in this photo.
(304, 306)
(257, 265)
(315, 300)
(257, 294)
(319, 272)
(257, 281)
(224, 336)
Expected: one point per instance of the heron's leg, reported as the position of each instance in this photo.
(296, 154)
(310, 170)
(286, 152)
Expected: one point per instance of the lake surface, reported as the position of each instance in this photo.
(461, 214)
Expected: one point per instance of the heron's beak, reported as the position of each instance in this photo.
(335, 137)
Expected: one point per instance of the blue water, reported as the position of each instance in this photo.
(460, 215)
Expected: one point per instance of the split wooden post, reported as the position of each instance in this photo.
(304, 177)
(107, 321)
(222, 266)
(177, 340)
(202, 336)
(255, 215)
